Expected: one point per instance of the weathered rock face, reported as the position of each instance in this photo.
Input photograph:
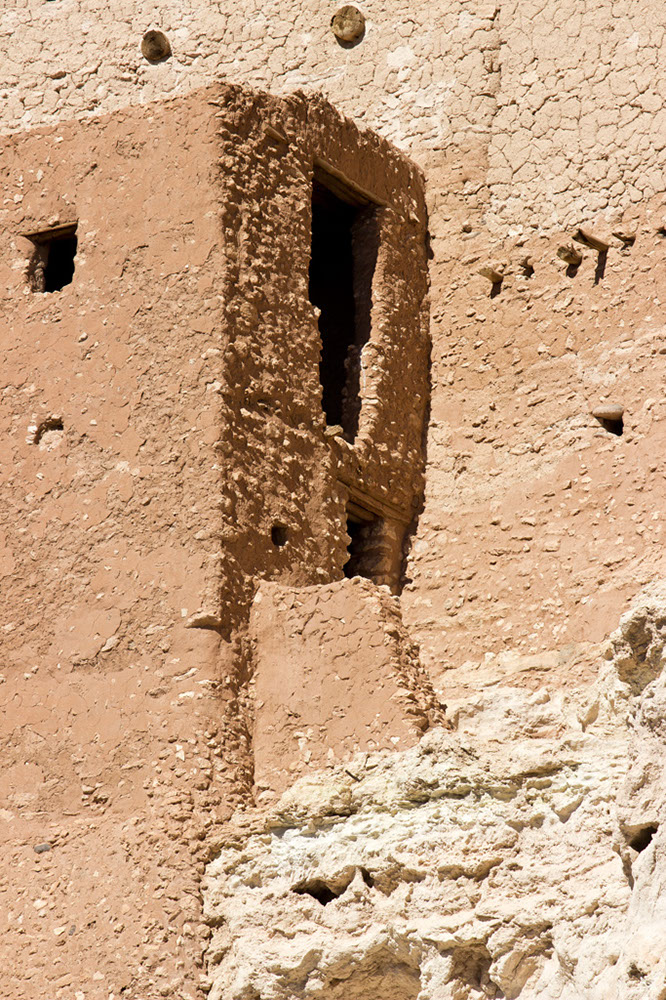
(523, 864)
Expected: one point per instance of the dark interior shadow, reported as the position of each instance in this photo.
(350, 45)
(601, 266)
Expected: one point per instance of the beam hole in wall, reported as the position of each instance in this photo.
(49, 433)
(53, 261)
(614, 425)
(279, 535)
(344, 247)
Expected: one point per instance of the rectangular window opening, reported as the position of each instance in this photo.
(362, 528)
(345, 243)
(52, 264)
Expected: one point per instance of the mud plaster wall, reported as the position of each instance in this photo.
(528, 119)
(132, 536)
(335, 673)
(549, 91)
(539, 524)
(110, 705)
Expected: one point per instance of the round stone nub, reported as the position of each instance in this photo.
(348, 24)
(155, 46)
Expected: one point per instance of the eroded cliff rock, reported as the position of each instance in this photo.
(515, 860)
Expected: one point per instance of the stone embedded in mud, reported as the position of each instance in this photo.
(155, 46)
(608, 411)
(348, 24)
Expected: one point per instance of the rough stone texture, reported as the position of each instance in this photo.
(334, 673)
(517, 857)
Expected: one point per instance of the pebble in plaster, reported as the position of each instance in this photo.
(348, 24)
(155, 46)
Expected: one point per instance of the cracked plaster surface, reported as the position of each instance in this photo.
(566, 100)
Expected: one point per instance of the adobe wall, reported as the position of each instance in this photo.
(335, 673)
(127, 731)
(539, 524)
(159, 415)
(111, 770)
(528, 120)
(547, 91)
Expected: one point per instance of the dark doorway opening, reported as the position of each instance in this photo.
(342, 264)
(362, 529)
(52, 266)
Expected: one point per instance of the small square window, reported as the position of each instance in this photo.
(52, 264)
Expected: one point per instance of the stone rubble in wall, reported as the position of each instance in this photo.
(518, 857)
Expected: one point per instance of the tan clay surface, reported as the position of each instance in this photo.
(178, 643)
(334, 673)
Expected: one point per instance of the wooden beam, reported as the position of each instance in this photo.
(590, 241)
(54, 233)
(343, 187)
(365, 506)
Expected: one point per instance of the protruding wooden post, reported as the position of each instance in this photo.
(593, 242)
(570, 255)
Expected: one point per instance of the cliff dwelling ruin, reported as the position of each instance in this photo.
(331, 534)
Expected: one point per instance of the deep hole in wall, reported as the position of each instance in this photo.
(342, 264)
(48, 426)
(53, 262)
(59, 270)
(325, 891)
(361, 527)
(279, 535)
(642, 838)
(613, 426)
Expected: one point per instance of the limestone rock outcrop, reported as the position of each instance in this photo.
(526, 862)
